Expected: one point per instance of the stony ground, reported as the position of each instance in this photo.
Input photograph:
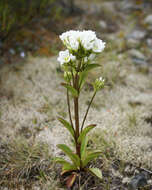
(31, 97)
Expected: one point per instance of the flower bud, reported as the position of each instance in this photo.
(67, 76)
(99, 84)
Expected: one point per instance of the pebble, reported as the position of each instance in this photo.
(140, 62)
(125, 5)
(102, 24)
(138, 181)
(148, 19)
(137, 35)
(132, 43)
(136, 54)
(149, 42)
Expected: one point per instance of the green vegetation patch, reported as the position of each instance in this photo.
(23, 162)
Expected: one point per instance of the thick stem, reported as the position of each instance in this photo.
(76, 112)
(87, 110)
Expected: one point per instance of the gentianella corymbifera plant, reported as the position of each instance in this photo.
(77, 61)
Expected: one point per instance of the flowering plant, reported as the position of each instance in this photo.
(76, 61)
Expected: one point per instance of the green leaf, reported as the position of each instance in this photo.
(85, 131)
(73, 91)
(60, 160)
(67, 126)
(68, 167)
(74, 158)
(91, 66)
(90, 157)
(95, 171)
(84, 147)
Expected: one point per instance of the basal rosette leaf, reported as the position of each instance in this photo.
(83, 149)
(67, 125)
(68, 167)
(74, 157)
(89, 157)
(85, 131)
(61, 161)
(96, 171)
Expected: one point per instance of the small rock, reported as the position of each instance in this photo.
(140, 62)
(132, 43)
(150, 181)
(102, 24)
(136, 54)
(125, 5)
(148, 20)
(137, 35)
(149, 42)
(138, 181)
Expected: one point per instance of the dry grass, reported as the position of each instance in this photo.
(23, 162)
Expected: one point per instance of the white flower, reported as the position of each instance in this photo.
(85, 39)
(65, 57)
(70, 39)
(73, 43)
(99, 45)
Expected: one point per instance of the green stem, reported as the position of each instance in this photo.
(69, 110)
(87, 110)
(76, 112)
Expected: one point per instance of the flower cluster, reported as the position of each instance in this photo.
(80, 45)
